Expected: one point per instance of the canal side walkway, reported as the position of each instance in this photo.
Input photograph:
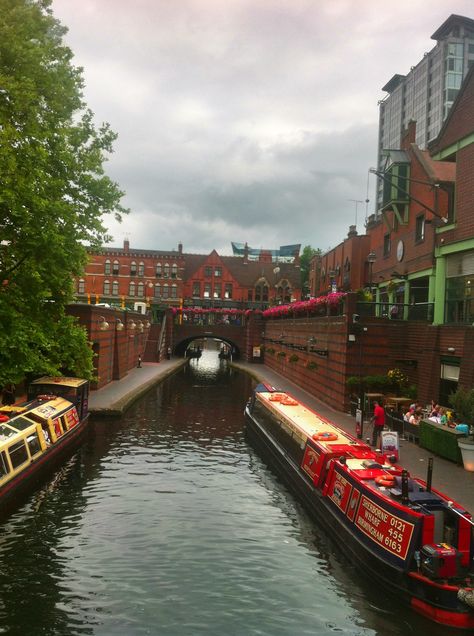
(448, 477)
(117, 396)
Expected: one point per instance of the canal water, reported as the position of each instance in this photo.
(166, 522)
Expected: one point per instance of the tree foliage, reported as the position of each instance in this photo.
(305, 260)
(53, 193)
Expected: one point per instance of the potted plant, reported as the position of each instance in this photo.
(462, 400)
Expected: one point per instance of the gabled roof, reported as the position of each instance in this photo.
(436, 171)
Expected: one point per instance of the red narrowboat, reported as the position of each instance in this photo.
(413, 540)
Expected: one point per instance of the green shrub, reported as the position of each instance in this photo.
(281, 354)
(293, 358)
(311, 365)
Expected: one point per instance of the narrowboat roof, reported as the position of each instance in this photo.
(65, 381)
(306, 420)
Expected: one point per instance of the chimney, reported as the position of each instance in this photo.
(408, 135)
(352, 231)
(180, 248)
(126, 245)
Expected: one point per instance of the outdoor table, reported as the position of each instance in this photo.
(397, 402)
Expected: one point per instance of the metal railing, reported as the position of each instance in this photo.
(396, 311)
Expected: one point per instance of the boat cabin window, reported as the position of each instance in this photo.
(21, 423)
(6, 432)
(33, 444)
(4, 469)
(18, 453)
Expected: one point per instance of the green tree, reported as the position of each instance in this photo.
(305, 260)
(53, 193)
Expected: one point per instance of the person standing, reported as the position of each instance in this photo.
(139, 363)
(378, 421)
(8, 394)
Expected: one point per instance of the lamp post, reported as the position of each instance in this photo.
(276, 271)
(371, 258)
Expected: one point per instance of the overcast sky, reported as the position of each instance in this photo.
(244, 120)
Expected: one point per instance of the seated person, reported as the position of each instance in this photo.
(415, 418)
(409, 413)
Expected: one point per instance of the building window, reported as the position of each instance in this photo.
(250, 295)
(141, 269)
(386, 245)
(166, 270)
(284, 292)
(107, 267)
(208, 271)
(420, 228)
(218, 271)
(115, 269)
(174, 271)
(174, 291)
(131, 289)
(217, 290)
(81, 286)
(115, 288)
(196, 289)
(133, 268)
(207, 290)
(158, 270)
(140, 290)
(157, 290)
(106, 287)
(261, 293)
(228, 290)
(166, 291)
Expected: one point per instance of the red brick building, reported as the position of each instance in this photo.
(161, 279)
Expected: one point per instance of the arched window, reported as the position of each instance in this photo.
(107, 267)
(115, 288)
(174, 271)
(81, 286)
(131, 289)
(116, 268)
(166, 272)
(165, 291)
(141, 269)
(284, 291)
(140, 290)
(261, 291)
(158, 270)
(157, 290)
(174, 291)
(106, 287)
(133, 268)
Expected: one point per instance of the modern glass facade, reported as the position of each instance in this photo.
(428, 91)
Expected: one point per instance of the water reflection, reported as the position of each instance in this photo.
(166, 522)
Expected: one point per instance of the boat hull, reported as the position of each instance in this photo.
(27, 480)
(436, 602)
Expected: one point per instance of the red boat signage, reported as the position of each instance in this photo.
(387, 530)
(340, 491)
(310, 461)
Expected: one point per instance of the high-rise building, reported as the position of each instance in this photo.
(427, 92)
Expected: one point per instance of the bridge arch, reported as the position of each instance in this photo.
(179, 348)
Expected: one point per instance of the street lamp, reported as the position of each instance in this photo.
(371, 258)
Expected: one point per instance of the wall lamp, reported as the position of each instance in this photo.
(119, 325)
(451, 349)
(311, 340)
(147, 324)
(131, 325)
(141, 326)
(103, 324)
